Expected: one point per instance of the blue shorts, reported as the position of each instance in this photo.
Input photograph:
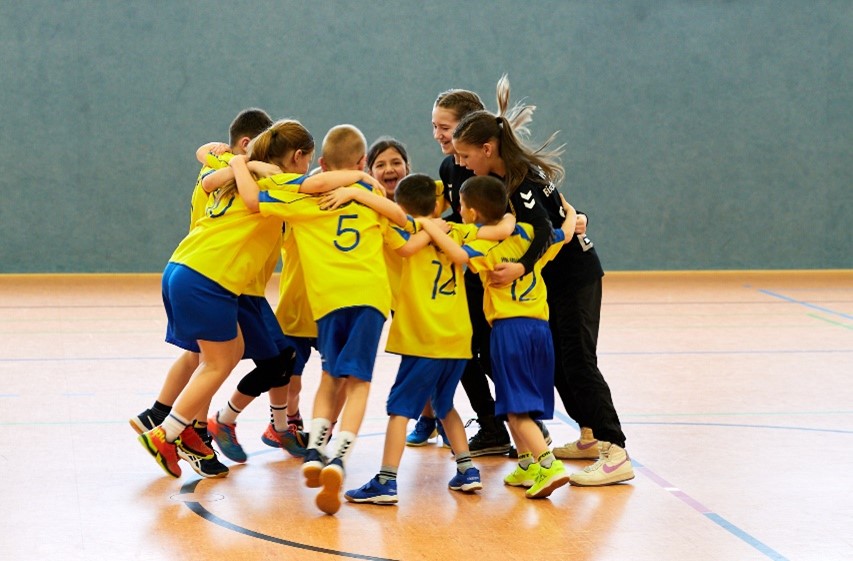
(197, 308)
(420, 379)
(302, 346)
(348, 340)
(261, 330)
(523, 367)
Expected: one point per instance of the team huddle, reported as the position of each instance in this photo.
(485, 272)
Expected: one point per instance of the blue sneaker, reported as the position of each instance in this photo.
(423, 431)
(468, 481)
(312, 465)
(374, 492)
(225, 436)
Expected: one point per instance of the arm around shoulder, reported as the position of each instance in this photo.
(452, 249)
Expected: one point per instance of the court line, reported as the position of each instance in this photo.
(196, 507)
(803, 303)
(744, 536)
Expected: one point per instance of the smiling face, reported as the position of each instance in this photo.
(443, 123)
(389, 168)
(479, 159)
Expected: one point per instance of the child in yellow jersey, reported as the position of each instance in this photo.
(522, 350)
(219, 260)
(340, 248)
(243, 128)
(431, 331)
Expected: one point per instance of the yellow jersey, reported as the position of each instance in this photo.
(527, 295)
(293, 310)
(431, 319)
(232, 245)
(199, 199)
(340, 250)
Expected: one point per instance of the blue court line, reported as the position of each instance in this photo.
(196, 507)
(693, 503)
(804, 303)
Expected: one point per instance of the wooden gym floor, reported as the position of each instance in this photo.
(735, 390)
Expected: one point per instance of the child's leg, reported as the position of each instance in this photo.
(467, 477)
(279, 406)
(176, 380)
(395, 442)
(455, 430)
(293, 391)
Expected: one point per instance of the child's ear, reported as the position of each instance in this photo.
(244, 143)
(322, 163)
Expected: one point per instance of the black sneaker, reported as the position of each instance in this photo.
(491, 440)
(143, 422)
(210, 468)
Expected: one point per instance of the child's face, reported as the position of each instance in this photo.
(443, 123)
(475, 158)
(389, 168)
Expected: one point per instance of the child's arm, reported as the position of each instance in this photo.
(414, 244)
(215, 148)
(246, 184)
(500, 231)
(221, 177)
(450, 248)
(379, 203)
(570, 223)
(328, 180)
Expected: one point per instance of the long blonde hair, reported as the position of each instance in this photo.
(479, 127)
(273, 145)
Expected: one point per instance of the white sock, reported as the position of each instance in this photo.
(173, 426)
(228, 414)
(279, 416)
(317, 436)
(345, 442)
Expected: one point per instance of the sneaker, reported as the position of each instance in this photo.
(613, 466)
(271, 437)
(190, 442)
(425, 428)
(210, 468)
(332, 479)
(548, 480)
(225, 436)
(164, 452)
(143, 422)
(584, 448)
(467, 482)
(521, 477)
(491, 440)
(295, 422)
(312, 465)
(445, 443)
(374, 492)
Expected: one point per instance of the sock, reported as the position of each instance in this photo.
(201, 428)
(173, 426)
(524, 460)
(228, 414)
(278, 417)
(386, 474)
(159, 412)
(294, 418)
(317, 437)
(463, 462)
(345, 442)
(545, 459)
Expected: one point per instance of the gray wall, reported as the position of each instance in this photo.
(699, 134)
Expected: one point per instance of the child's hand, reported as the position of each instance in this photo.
(580, 225)
(218, 148)
(441, 223)
(240, 159)
(338, 197)
(504, 273)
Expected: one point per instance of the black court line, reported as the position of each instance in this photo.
(196, 507)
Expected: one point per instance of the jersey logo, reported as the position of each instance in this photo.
(529, 201)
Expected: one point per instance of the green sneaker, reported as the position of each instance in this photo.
(521, 477)
(548, 480)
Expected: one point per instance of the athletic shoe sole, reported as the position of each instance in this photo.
(329, 498)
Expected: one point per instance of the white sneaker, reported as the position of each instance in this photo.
(613, 466)
(584, 448)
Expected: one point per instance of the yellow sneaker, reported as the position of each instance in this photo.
(613, 466)
(548, 480)
(521, 477)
